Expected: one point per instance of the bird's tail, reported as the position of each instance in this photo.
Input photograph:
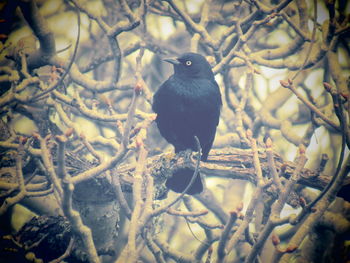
(180, 180)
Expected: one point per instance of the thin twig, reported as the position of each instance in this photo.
(310, 105)
(54, 85)
(72, 215)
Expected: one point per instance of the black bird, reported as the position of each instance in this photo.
(188, 104)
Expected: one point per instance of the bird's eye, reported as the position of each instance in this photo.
(188, 63)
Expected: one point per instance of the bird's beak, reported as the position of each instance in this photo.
(173, 61)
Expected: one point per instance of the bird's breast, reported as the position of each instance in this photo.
(178, 97)
(195, 90)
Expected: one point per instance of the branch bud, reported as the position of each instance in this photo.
(284, 84)
(69, 132)
(60, 138)
(239, 208)
(302, 149)
(249, 133)
(23, 140)
(268, 142)
(36, 135)
(327, 86)
(275, 239)
(139, 87)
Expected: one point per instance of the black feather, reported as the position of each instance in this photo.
(188, 104)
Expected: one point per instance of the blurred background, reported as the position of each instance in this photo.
(77, 80)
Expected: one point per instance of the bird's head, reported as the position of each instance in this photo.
(191, 65)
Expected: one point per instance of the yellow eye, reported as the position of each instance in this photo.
(188, 63)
